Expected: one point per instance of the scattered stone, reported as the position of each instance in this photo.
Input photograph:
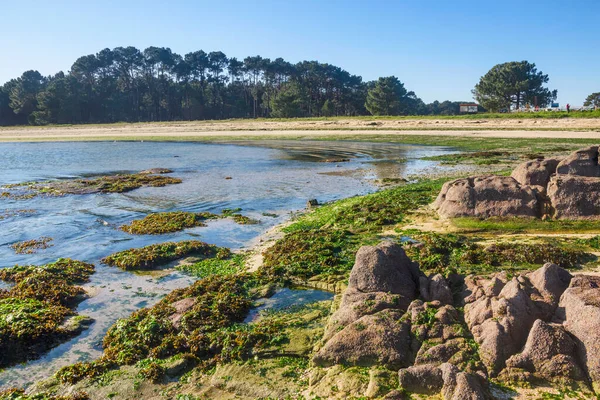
(181, 307)
(486, 196)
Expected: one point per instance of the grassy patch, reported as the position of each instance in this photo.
(523, 225)
(154, 255)
(32, 246)
(479, 158)
(447, 253)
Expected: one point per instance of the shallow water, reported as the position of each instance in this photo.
(267, 177)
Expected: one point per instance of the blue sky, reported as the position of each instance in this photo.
(437, 48)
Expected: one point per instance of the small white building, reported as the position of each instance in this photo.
(468, 108)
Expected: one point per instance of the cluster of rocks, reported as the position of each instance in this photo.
(543, 325)
(559, 188)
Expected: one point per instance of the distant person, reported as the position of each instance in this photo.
(568, 107)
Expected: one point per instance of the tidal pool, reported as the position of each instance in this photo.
(271, 177)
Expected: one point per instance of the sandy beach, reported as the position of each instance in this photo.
(575, 128)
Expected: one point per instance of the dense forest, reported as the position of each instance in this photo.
(126, 84)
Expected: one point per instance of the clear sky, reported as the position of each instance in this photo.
(438, 48)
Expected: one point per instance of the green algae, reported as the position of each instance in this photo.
(225, 264)
(174, 221)
(19, 394)
(324, 242)
(167, 222)
(32, 246)
(155, 255)
(119, 183)
(33, 311)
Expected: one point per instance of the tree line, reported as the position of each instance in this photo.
(128, 85)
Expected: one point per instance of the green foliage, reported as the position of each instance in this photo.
(593, 100)
(524, 225)
(478, 157)
(389, 97)
(154, 255)
(513, 83)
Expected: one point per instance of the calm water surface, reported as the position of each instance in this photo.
(267, 177)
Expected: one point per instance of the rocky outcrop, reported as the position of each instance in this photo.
(574, 197)
(548, 354)
(422, 379)
(579, 310)
(564, 189)
(486, 196)
(536, 173)
(500, 311)
(582, 162)
(366, 328)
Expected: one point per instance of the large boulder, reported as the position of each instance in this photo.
(579, 309)
(500, 312)
(535, 172)
(548, 354)
(366, 328)
(486, 196)
(574, 197)
(462, 385)
(378, 339)
(582, 162)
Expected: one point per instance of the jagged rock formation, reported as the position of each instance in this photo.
(500, 311)
(568, 188)
(538, 326)
(381, 321)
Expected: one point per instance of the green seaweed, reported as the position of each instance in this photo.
(154, 255)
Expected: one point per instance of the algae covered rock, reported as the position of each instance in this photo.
(486, 196)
